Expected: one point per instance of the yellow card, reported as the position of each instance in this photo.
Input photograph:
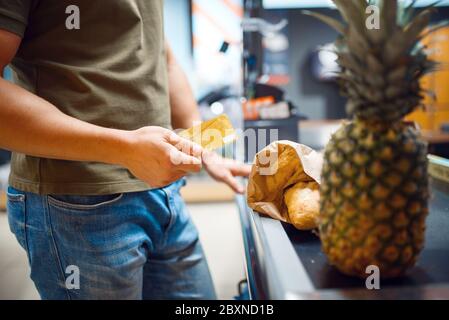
(211, 134)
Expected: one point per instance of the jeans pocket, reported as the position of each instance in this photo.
(83, 203)
(175, 202)
(17, 216)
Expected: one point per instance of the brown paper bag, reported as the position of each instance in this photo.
(282, 171)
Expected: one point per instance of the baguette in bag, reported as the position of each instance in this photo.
(284, 184)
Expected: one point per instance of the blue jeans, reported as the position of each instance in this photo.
(140, 245)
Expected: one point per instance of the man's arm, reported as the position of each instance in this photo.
(184, 110)
(33, 126)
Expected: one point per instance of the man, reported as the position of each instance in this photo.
(94, 190)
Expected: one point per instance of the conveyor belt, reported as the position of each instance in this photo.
(432, 267)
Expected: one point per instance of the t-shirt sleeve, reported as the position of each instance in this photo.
(14, 15)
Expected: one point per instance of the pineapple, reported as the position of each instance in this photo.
(374, 191)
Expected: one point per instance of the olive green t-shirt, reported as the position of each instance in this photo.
(110, 72)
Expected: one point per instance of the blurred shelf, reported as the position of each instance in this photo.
(316, 133)
(435, 137)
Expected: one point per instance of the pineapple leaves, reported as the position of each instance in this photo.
(432, 5)
(388, 18)
(381, 68)
(434, 28)
(402, 40)
(409, 8)
(406, 14)
(357, 44)
(360, 5)
(347, 61)
(334, 23)
(352, 14)
(416, 27)
(389, 12)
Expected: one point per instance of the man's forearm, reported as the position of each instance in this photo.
(31, 125)
(184, 109)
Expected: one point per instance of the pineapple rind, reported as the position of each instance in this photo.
(366, 219)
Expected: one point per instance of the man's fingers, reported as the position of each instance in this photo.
(240, 169)
(172, 137)
(237, 168)
(184, 154)
(233, 183)
(183, 161)
(189, 147)
(185, 145)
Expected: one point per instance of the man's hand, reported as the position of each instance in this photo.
(225, 170)
(159, 156)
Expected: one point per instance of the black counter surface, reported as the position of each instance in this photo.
(432, 267)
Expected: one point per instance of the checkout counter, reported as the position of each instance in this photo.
(285, 263)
